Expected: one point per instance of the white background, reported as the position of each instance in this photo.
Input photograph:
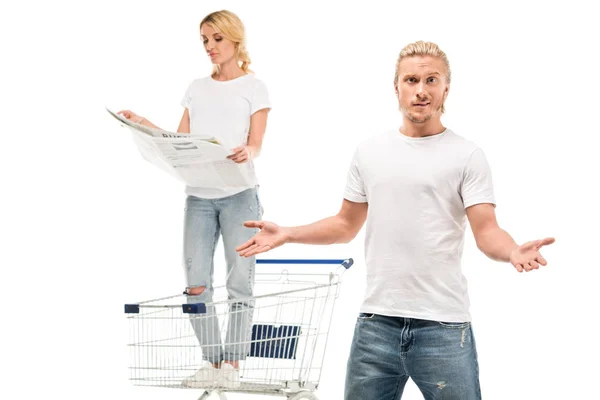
(87, 225)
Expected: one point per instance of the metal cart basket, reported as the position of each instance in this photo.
(288, 319)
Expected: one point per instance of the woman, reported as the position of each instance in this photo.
(232, 105)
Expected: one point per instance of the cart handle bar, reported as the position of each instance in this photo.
(345, 263)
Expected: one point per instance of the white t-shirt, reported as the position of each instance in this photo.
(417, 190)
(223, 109)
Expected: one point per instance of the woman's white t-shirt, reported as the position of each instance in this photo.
(223, 109)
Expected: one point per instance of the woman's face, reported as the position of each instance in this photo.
(219, 48)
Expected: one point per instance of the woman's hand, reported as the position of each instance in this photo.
(242, 154)
(130, 115)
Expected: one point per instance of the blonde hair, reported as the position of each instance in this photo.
(422, 48)
(232, 28)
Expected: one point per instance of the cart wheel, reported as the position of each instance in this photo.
(206, 395)
(303, 395)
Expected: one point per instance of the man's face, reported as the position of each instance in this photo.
(422, 87)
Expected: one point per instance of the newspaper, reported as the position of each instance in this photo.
(196, 160)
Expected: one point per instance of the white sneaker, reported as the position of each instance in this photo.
(229, 378)
(203, 378)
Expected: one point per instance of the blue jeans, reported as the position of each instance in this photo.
(205, 220)
(440, 358)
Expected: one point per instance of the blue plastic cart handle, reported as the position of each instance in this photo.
(346, 263)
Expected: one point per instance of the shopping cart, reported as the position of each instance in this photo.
(292, 310)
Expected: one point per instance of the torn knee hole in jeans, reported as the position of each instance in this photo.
(195, 291)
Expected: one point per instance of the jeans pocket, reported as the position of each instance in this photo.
(261, 210)
(454, 325)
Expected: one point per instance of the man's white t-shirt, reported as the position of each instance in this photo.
(417, 190)
(223, 109)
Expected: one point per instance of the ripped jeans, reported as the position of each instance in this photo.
(204, 221)
(439, 357)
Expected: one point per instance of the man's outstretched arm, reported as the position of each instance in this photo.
(498, 245)
(340, 228)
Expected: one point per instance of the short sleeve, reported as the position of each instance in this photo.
(477, 186)
(187, 97)
(260, 98)
(355, 190)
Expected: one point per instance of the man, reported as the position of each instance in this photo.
(415, 187)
